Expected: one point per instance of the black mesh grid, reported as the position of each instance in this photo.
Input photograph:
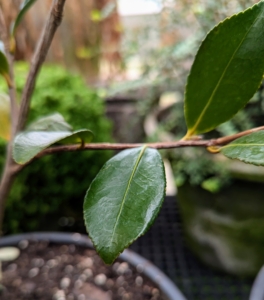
(163, 244)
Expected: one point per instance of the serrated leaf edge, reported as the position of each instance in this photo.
(237, 158)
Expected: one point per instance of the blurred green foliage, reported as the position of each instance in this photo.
(54, 186)
(165, 44)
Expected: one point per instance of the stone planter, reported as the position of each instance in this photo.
(226, 229)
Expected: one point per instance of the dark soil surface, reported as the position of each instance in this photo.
(66, 272)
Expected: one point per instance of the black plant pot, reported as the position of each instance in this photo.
(166, 286)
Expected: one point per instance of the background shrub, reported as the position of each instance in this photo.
(48, 194)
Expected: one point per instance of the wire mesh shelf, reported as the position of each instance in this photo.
(164, 245)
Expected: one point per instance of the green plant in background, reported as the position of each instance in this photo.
(28, 208)
(126, 195)
(197, 168)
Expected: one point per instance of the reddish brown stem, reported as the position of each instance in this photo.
(168, 145)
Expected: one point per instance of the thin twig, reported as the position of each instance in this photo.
(3, 29)
(167, 145)
(53, 22)
(12, 88)
(6, 182)
(228, 139)
(12, 95)
(11, 169)
(121, 146)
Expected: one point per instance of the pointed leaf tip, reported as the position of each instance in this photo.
(123, 200)
(24, 7)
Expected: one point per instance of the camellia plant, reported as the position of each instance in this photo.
(127, 194)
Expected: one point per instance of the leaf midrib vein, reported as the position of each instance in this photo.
(192, 131)
(127, 189)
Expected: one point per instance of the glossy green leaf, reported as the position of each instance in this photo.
(123, 200)
(5, 122)
(24, 7)
(29, 143)
(249, 149)
(226, 72)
